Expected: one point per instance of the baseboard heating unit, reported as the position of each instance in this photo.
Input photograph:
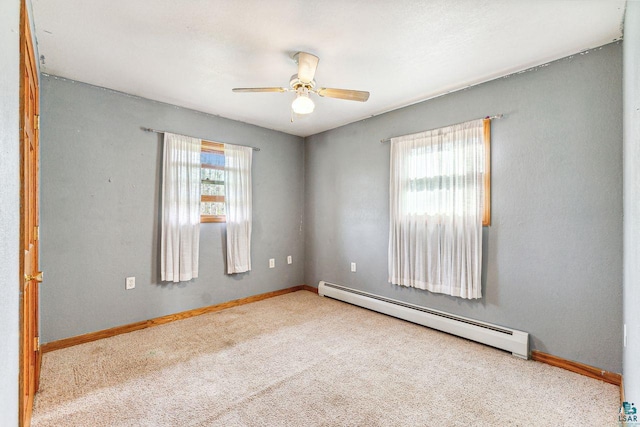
(516, 342)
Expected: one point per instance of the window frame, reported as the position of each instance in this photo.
(218, 148)
(486, 203)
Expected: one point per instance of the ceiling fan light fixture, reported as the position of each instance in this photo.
(302, 104)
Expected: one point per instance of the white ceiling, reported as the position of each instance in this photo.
(191, 53)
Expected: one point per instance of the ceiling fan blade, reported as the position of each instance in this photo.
(259, 89)
(349, 95)
(307, 65)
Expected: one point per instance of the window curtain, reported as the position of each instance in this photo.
(180, 235)
(237, 199)
(436, 198)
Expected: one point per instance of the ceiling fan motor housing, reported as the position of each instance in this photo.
(295, 83)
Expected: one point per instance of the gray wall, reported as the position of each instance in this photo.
(9, 210)
(632, 200)
(99, 218)
(553, 254)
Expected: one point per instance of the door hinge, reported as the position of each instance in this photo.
(36, 232)
(37, 122)
(36, 343)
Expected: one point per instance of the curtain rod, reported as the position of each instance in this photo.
(166, 131)
(497, 116)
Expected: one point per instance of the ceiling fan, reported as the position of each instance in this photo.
(303, 84)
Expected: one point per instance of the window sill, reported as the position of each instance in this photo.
(212, 218)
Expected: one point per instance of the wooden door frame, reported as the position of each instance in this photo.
(27, 58)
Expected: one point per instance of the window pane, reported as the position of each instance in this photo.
(211, 174)
(214, 159)
(212, 189)
(212, 182)
(212, 208)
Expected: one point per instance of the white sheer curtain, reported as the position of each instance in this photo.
(436, 198)
(237, 199)
(180, 236)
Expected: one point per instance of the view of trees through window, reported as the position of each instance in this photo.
(212, 182)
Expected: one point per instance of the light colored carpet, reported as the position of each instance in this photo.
(303, 360)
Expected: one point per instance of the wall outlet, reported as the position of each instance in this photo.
(130, 283)
(353, 267)
(289, 260)
(272, 262)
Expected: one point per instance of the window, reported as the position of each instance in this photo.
(212, 207)
(434, 170)
(439, 202)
